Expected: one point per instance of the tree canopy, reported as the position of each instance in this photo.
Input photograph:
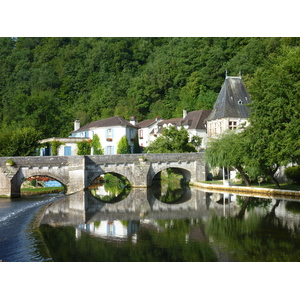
(48, 82)
(228, 150)
(172, 140)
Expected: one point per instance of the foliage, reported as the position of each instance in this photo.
(55, 146)
(123, 146)
(293, 174)
(84, 148)
(47, 82)
(19, 141)
(96, 144)
(136, 146)
(172, 140)
(273, 133)
(196, 141)
(10, 162)
(228, 151)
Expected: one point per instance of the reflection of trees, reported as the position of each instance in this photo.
(167, 244)
(256, 238)
(116, 187)
(171, 187)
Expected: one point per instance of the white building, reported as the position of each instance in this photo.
(109, 130)
(148, 131)
(194, 122)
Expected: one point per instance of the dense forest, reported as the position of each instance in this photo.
(46, 83)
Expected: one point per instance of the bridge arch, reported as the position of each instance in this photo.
(157, 168)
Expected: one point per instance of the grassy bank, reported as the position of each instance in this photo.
(41, 191)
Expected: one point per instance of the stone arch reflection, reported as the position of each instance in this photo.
(171, 186)
(110, 187)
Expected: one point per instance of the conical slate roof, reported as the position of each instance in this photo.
(232, 100)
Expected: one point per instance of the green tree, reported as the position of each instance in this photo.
(123, 146)
(228, 151)
(275, 121)
(136, 145)
(19, 141)
(172, 140)
(84, 148)
(96, 144)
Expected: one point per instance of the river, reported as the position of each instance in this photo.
(199, 226)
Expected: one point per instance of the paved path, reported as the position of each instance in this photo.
(250, 190)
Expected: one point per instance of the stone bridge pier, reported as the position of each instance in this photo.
(76, 173)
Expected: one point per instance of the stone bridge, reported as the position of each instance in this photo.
(76, 173)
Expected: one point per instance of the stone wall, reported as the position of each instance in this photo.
(77, 172)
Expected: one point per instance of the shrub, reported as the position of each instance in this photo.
(54, 146)
(293, 174)
(10, 162)
(84, 148)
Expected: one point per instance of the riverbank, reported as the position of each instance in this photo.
(41, 191)
(295, 194)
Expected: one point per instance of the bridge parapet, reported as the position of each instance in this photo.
(77, 172)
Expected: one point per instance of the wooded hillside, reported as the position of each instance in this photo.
(46, 83)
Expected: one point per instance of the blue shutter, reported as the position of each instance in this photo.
(106, 133)
(67, 151)
(112, 133)
(112, 150)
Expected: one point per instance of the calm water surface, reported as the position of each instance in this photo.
(196, 226)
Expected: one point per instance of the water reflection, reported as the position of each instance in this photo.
(110, 188)
(204, 227)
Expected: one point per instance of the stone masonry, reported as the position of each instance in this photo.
(77, 172)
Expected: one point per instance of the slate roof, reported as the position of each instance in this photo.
(196, 119)
(146, 123)
(109, 122)
(231, 100)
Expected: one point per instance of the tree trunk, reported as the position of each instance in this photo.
(272, 175)
(241, 214)
(244, 175)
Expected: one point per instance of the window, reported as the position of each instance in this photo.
(232, 125)
(140, 133)
(109, 133)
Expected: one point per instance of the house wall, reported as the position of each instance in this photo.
(201, 133)
(110, 137)
(147, 138)
(217, 127)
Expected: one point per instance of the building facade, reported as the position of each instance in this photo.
(231, 110)
(110, 131)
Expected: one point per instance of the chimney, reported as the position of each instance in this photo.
(184, 114)
(132, 120)
(76, 124)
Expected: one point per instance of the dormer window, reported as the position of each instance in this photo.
(240, 102)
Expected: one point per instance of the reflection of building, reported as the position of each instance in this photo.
(111, 229)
